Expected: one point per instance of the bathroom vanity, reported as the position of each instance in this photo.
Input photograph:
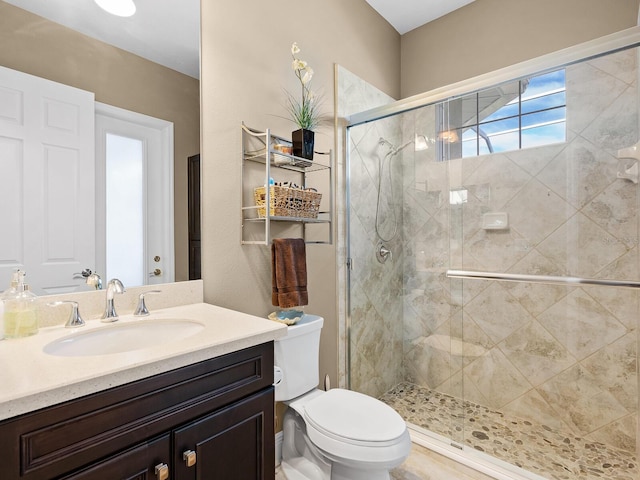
(207, 412)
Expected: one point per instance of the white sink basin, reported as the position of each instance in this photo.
(125, 337)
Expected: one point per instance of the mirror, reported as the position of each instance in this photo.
(35, 45)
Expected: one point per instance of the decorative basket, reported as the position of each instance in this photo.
(288, 202)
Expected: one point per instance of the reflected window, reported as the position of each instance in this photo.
(125, 209)
(523, 114)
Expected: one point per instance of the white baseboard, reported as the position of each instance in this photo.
(279, 436)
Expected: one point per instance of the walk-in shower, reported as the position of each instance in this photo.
(505, 324)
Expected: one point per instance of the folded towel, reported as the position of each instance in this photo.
(288, 273)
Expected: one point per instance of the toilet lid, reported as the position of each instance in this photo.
(353, 417)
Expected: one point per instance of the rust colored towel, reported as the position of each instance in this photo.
(288, 273)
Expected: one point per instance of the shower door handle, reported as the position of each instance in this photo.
(546, 279)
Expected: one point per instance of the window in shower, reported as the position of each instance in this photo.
(525, 113)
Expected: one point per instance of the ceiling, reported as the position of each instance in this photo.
(405, 15)
(170, 36)
(158, 31)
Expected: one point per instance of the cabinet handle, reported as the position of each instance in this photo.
(189, 458)
(162, 471)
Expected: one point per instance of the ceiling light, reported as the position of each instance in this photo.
(121, 8)
(448, 136)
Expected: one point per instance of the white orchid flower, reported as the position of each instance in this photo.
(304, 113)
(298, 64)
(308, 75)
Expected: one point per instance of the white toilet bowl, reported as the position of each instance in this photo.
(334, 435)
(342, 435)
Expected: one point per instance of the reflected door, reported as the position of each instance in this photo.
(46, 182)
(135, 227)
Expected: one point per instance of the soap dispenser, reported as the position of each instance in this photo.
(20, 310)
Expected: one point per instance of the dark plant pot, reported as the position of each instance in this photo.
(303, 143)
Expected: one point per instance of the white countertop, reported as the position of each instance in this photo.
(31, 379)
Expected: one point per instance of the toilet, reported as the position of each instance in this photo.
(334, 435)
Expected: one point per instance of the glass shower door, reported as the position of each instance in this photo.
(544, 191)
(400, 310)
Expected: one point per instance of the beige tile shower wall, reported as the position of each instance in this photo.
(353, 95)
(427, 309)
(562, 356)
(376, 289)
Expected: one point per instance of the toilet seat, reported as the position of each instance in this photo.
(353, 418)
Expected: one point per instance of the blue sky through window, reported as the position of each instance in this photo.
(535, 117)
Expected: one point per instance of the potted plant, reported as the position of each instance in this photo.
(304, 113)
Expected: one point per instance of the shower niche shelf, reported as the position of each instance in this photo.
(261, 161)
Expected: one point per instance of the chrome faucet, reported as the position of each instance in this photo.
(141, 309)
(114, 286)
(75, 320)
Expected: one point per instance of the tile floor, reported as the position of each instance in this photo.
(423, 464)
(535, 448)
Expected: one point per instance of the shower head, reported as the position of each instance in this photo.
(420, 142)
(393, 150)
(384, 142)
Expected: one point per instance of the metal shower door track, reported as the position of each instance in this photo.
(545, 279)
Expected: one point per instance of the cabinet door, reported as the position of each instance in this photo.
(138, 463)
(234, 443)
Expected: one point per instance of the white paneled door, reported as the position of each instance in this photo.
(47, 179)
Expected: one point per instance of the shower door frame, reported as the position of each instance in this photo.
(624, 39)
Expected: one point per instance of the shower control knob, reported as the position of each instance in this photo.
(383, 253)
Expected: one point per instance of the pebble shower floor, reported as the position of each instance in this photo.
(536, 448)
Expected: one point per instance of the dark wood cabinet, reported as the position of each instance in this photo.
(230, 443)
(210, 420)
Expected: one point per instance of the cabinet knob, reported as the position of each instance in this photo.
(162, 471)
(189, 458)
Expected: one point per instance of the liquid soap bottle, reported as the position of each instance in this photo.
(20, 310)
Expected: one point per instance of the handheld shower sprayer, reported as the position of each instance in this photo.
(393, 149)
(384, 142)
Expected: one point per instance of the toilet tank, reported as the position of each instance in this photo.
(296, 355)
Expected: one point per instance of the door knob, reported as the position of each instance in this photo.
(162, 471)
(86, 273)
(189, 458)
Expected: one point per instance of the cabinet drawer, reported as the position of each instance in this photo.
(68, 436)
(137, 463)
